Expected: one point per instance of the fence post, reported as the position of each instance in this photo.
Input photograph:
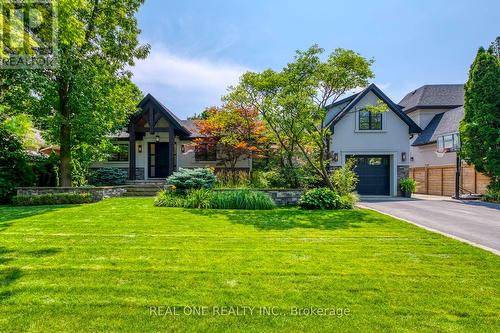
(426, 180)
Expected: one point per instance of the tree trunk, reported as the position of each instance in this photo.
(65, 136)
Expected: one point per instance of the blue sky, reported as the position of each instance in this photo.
(201, 47)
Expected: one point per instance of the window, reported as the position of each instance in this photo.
(370, 121)
(205, 152)
(448, 143)
(120, 154)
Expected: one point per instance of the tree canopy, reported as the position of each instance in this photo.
(89, 94)
(480, 127)
(293, 101)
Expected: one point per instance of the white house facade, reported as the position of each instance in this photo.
(380, 142)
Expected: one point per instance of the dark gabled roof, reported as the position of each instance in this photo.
(443, 123)
(413, 127)
(434, 96)
(342, 101)
(426, 136)
(165, 111)
(335, 108)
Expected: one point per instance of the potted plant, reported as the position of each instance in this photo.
(408, 186)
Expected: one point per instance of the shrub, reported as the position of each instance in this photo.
(408, 185)
(52, 199)
(199, 198)
(344, 179)
(108, 176)
(491, 196)
(242, 199)
(347, 201)
(320, 198)
(14, 168)
(167, 198)
(187, 179)
(232, 179)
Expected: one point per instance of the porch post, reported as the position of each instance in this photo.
(131, 154)
(171, 145)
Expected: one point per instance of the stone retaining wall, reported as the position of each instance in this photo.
(98, 193)
(280, 197)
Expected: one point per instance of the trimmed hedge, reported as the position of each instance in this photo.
(52, 199)
(205, 199)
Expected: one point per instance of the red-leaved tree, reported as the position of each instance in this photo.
(234, 132)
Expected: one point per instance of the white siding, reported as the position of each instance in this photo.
(427, 156)
(392, 140)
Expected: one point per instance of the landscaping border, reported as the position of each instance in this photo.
(98, 193)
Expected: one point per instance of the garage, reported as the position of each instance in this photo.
(374, 174)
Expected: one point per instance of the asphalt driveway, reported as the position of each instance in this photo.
(476, 223)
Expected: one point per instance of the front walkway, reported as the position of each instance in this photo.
(473, 222)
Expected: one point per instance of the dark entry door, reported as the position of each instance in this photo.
(374, 174)
(158, 160)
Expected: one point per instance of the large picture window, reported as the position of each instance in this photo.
(448, 143)
(120, 154)
(370, 121)
(205, 152)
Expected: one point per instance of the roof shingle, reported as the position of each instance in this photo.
(434, 96)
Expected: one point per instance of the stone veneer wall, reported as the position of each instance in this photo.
(284, 197)
(98, 193)
(403, 172)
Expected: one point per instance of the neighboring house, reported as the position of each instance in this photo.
(157, 143)
(438, 110)
(378, 141)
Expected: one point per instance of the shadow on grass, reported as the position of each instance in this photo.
(10, 274)
(290, 218)
(8, 214)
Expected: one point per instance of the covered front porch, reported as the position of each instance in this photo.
(153, 133)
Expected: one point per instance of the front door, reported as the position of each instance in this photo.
(158, 160)
(374, 174)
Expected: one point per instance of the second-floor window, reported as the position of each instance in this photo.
(205, 152)
(370, 121)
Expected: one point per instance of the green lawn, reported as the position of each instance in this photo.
(105, 266)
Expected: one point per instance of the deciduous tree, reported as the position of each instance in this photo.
(293, 101)
(89, 94)
(234, 131)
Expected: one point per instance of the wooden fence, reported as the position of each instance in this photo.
(440, 180)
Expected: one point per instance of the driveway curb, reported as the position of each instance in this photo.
(434, 230)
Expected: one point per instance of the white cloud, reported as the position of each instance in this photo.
(198, 75)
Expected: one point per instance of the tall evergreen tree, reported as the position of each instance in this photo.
(480, 128)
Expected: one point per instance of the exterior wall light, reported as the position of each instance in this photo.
(157, 138)
(335, 157)
(403, 156)
(183, 149)
(139, 148)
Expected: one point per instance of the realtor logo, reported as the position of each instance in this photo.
(28, 34)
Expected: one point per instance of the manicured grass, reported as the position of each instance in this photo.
(100, 267)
